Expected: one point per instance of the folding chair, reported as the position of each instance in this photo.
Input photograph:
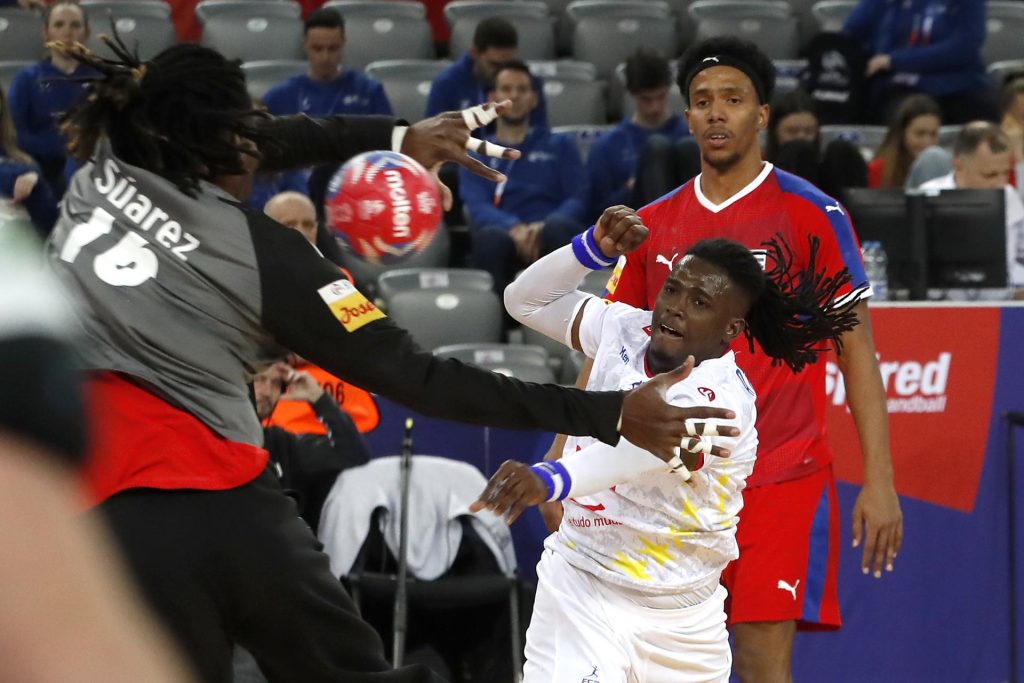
(605, 32)
(252, 31)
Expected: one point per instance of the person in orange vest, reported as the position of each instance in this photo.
(294, 210)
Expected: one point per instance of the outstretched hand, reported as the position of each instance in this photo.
(446, 137)
(651, 423)
(512, 488)
(619, 231)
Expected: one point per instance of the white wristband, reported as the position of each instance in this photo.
(397, 137)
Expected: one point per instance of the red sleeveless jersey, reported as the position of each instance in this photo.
(790, 407)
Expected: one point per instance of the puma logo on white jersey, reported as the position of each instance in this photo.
(783, 586)
(668, 262)
(829, 208)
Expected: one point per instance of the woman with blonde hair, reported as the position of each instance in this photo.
(914, 128)
(20, 181)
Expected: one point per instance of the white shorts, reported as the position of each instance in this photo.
(585, 630)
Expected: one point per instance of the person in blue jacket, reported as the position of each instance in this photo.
(20, 180)
(327, 88)
(465, 83)
(41, 92)
(542, 204)
(611, 166)
(928, 46)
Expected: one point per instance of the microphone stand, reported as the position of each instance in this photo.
(401, 614)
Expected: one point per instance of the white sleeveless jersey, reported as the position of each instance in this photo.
(657, 533)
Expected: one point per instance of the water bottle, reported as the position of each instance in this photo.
(876, 267)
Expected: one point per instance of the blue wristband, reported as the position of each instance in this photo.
(585, 248)
(555, 477)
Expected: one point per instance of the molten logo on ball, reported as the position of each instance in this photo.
(384, 206)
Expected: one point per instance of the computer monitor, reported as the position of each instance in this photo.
(880, 215)
(966, 238)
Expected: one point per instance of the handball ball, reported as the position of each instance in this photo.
(384, 205)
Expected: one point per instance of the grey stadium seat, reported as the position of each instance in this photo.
(434, 255)
(574, 96)
(829, 15)
(1000, 70)
(442, 316)
(414, 278)
(789, 74)
(252, 31)
(379, 30)
(522, 361)
(264, 74)
(407, 83)
(534, 25)
(145, 23)
(584, 136)
(8, 69)
(20, 37)
(605, 32)
(1004, 37)
(769, 24)
(867, 138)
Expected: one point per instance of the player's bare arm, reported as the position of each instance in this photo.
(877, 518)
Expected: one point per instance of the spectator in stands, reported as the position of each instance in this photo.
(982, 160)
(914, 128)
(542, 205)
(794, 145)
(611, 166)
(465, 82)
(294, 210)
(307, 464)
(41, 92)
(327, 88)
(924, 46)
(1013, 125)
(20, 181)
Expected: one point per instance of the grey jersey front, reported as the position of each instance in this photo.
(168, 289)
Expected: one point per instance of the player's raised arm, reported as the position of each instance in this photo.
(545, 296)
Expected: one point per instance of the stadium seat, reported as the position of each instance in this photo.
(447, 315)
(584, 136)
(252, 31)
(20, 35)
(534, 25)
(948, 136)
(8, 69)
(829, 15)
(606, 32)
(769, 24)
(417, 278)
(573, 94)
(366, 274)
(407, 83)
(144, 25)
(1000, 70)
(264, 74)
(867, 138)
(1004, 37)
(806, 23)
(377, 30)
(789, 74)
(522, 361)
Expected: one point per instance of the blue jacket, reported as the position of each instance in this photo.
(935, 45)
(37, 95)
(548, 179)
(40, 204)
(613, 158)
(266, 185)
(349, 93)
(457, 88)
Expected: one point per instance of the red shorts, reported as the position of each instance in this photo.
(788, 537)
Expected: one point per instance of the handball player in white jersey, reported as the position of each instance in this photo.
(629, 583)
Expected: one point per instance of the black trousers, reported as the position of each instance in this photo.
(240, 566)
